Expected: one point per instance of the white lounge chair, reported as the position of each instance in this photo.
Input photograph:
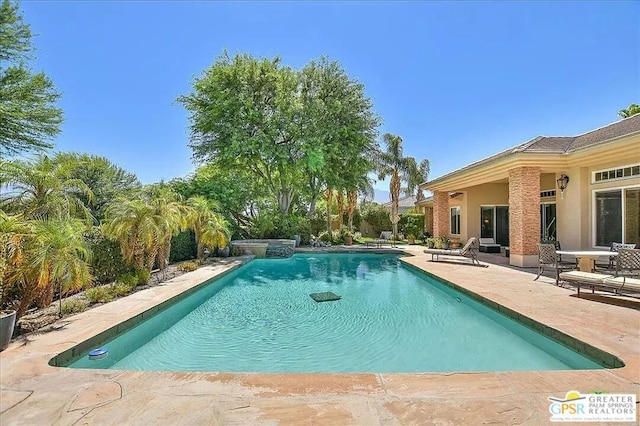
(468, 251)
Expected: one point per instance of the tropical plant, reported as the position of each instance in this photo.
(14, 231)
(104, 179)
(42, 189)
(210, 229)
(170, 216)
(393, 163)
(633, 109)
(130, 221)
(29, 117)
(55, 258)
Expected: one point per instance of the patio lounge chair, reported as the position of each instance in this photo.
(488, 245)
(385, 238)
(547, 257)
(468, 251)
(627, 279)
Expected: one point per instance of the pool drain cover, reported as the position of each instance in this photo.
(327, 296)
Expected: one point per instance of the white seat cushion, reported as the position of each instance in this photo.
(624, 283)
(585, 277)
(456, 252)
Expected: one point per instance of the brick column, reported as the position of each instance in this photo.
(524, 215)
(440, 213)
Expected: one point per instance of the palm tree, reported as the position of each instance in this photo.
(130, 221)
(14, 230)
(41, 189)
(58, 258)
(171, 216)
(392, 163)
(633, 109)
(210, 229)
(45, 255)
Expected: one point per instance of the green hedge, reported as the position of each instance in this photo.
(409, 221)
(107, 262)
(183, 247)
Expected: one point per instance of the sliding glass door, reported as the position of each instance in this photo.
(494, 223)
(617, 216)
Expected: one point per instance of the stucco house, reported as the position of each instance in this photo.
(582, 190)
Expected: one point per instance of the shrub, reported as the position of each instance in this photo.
(275, 225)
(143, 276)
(183, 247)
(188, 266)
(326, 237)
(412, 224)
(129, 279)
(107, 262)
(100, 294)
(377, 216)
(73, 306)
(121, 289)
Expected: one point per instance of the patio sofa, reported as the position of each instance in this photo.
(488, 245)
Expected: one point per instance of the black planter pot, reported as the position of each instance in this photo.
(7, 323)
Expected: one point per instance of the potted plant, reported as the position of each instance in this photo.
(347, 237)
(443, 242)
(431, 242)
(454, 243)
(7, 323)
(411, 238)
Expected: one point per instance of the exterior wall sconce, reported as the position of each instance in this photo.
(562, 184)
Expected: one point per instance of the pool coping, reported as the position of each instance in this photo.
(33, 390)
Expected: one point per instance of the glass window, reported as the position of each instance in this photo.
(608, 217)
(618, 217)
(548, 221)
(455, 220)
(632, 216)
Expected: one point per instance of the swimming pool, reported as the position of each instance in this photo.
(260, 318)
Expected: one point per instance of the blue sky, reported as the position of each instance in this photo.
(458, 81)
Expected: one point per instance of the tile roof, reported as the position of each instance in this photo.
(404, 202)
(566, 144)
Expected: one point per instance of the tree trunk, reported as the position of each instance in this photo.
(340, 202)
(284, 201)
(329, 196)
(352, 200)
(312, 206)
(394, 187)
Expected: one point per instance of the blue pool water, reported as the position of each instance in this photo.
(260, 318)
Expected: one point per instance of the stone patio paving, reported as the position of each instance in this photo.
(32, 392)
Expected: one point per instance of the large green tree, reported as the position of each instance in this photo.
(401, 169)
(290, 129)
(633, 109)
(28, 115)
(105, 179)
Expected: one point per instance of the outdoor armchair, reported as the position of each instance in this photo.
(548, 258)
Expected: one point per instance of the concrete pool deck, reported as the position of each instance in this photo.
(32, 392)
